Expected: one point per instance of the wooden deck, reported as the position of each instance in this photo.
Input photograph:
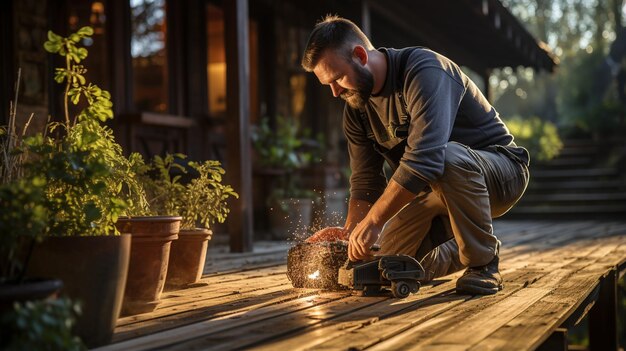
(553, 273)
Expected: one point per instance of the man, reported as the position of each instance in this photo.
(450, 153)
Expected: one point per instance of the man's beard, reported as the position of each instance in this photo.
(357, 99)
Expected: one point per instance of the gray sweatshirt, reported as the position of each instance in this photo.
(443, 105)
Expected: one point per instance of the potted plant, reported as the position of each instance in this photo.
(201, 203)
(153, 231)
(85, 175)
(23, 218)
(282, 154)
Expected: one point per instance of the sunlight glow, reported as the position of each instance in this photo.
(314, 275)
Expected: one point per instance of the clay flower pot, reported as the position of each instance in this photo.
(149, 255)
(187, 257)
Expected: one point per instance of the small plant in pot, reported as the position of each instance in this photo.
(200, 202)
(153, 232)
(283, 154)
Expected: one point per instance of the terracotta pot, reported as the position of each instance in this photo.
(187, 257)
(149, 256)
(93, 269)
(30, 289)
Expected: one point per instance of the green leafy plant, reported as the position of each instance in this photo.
(201, 201)
(23, 215)
(284, 152)
(77, 197)
(40, 325)
(163, 188)
(205, 200)
(87, 176)
(539, 136)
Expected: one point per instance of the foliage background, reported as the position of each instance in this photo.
(583, 97)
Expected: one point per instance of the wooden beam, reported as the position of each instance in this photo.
(487, 88)
(119, 34)
(239, 168)
(556, 341)
(603, 315)
(176, 16)
(7, 67)
(196, 84)
(366, 23)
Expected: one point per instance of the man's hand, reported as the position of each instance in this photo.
(329, 234)
(361, 240)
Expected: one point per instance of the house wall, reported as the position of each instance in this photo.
(190, 119)
(23, 29)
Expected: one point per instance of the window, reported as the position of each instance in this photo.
(216, 64)
(149, 55)
(216, 61)
(92, 13)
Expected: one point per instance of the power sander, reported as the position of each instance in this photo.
(326, 265)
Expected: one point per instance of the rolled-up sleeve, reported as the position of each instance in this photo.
(433, 98)
(367, 181)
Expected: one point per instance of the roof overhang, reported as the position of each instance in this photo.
(480, 34)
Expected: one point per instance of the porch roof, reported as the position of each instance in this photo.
(479, 34)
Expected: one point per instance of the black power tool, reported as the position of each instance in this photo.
(401, 272)
(326, 266)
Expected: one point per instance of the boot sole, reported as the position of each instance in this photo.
(478, 290)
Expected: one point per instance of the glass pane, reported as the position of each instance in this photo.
(216, 61)
(149, 55)
(92, 13)
(216, 64)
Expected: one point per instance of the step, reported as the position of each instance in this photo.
(574, 173)
(580, 185)
(583, 143)
(575, 162)
(570, 151)
(604, 210)
(593, 197)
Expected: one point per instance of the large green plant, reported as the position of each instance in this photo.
(201, 201)
(283, 150)
(87, 178)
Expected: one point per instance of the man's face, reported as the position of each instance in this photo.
(348, 79)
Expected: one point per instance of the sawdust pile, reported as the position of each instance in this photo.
(316, 265)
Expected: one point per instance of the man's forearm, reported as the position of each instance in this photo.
(357, 210)
(390, 202)
(394, 198)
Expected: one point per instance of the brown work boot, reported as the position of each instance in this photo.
(481, 280)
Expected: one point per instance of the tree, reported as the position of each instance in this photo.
(589, 39)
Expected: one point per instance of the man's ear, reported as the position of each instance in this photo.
(360, 54)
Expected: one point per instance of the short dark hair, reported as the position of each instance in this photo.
(333, 32)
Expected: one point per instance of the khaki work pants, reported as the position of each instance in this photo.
(476, 186)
